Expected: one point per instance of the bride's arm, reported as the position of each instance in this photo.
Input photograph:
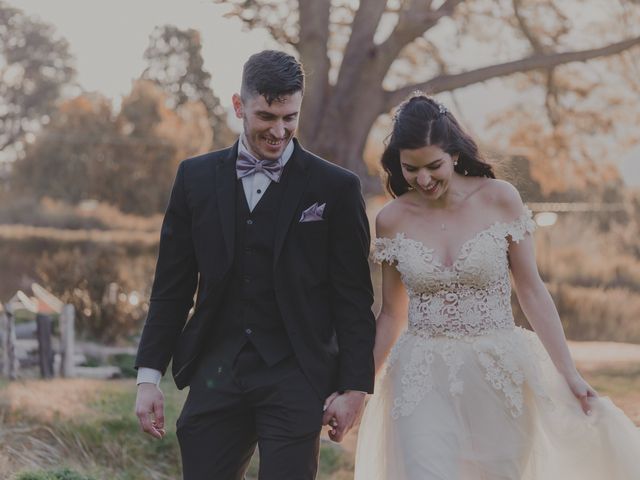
(392, 318)
(538, 306)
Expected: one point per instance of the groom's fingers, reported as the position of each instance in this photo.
(337, 434)
(148, 426)
(329, 413)
(150, 410)
(329, 401)
(151, 418)
(158, 413)
(340, 425)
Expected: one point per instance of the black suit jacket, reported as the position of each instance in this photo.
(321, 272)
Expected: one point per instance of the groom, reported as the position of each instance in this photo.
(273, 240)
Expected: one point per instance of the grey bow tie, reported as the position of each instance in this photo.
(248, 164)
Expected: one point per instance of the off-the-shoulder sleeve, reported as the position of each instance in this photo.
(385, 250)
(522, 225)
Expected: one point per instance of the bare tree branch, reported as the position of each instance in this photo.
(312, 47)
(10, 139)
(524, 28)
(414, 22)
(534, 62)
(431, 49)
(551, 101)
(551, 96)
(273, 15)
(365, 24)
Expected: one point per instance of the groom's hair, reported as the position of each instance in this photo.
(273, 75)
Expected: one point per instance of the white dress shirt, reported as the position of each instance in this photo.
(254, 185)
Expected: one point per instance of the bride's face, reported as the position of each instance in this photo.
(428, 170)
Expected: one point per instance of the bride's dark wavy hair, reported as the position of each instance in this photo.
(420, 121)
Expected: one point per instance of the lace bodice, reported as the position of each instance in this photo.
(455, 308)
(470, 297)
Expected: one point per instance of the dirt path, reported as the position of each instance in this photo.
(595, 355)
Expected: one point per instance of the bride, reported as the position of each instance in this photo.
(464, 393)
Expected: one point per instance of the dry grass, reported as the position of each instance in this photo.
(45, 424)
(58, 399)
(90, 214)
(89, 425)
(622, 384)
(112, 237)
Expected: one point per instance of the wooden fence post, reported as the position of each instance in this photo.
(45, 349)
(9, 360)
(4, 330)
(67, 341)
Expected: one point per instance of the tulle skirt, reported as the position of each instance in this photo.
(491, 407)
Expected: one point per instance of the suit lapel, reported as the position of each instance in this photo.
(296, 181)
(226, 193)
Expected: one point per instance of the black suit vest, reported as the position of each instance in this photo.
(250, 311)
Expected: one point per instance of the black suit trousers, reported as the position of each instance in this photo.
(233, 406)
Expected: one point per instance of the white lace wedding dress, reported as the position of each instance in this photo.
(467, 395)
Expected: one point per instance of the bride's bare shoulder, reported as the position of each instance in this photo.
(390, 216)
(504, 197)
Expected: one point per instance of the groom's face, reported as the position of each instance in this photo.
(268, 128)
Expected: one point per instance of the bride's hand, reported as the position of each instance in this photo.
(582, 391)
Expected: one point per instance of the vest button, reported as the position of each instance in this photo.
(248, 331)
(249, 222)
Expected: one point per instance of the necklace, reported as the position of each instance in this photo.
(443, 225)
(463, 196)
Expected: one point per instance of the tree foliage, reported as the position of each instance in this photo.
(35, 67)
(580, 123)
(175, 63)
(126, 159)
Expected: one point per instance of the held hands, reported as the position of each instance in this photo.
(341, 412)
(150, 402)
(582, 391)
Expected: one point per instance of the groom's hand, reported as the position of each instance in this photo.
(342, 413)
(150, 402)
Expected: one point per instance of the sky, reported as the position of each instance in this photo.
(108, 39)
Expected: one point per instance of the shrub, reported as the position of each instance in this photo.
(126, 363)
(98, 279)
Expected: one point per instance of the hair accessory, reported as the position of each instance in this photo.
(442, 110)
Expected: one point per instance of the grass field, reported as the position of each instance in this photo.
(88, 427)
(85, 430)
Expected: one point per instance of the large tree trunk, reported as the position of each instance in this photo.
(343, 143)
(341, 134)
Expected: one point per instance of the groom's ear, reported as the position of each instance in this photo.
(237, 105)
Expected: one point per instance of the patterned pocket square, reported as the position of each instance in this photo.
(313, 213)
